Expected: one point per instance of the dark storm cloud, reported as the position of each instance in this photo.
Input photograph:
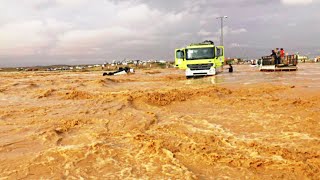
(85, 31)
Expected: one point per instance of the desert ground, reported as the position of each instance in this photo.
(156, 124)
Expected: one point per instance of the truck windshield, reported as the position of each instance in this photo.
(200, 53)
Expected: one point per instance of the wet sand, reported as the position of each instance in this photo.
(155, 124)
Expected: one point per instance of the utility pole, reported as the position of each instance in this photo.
(221, 19)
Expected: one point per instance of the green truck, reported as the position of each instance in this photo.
(200, 59)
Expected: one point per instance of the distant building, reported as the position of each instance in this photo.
(79, 67)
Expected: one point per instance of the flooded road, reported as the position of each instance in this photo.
(308, 75)
(156, 124)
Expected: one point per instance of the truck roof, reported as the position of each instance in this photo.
(199, 46)
(206, 43)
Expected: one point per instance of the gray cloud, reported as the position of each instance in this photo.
(91, 31)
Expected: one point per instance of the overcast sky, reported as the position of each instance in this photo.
(46, 32)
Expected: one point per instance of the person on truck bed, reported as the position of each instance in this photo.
(282, 55)
(274, 56)
(278, 55)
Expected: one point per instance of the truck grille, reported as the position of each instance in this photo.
(200, 66)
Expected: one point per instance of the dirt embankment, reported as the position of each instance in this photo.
(158, 126)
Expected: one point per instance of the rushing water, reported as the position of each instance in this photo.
(156, 124)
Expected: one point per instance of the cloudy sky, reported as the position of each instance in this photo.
(94, 31)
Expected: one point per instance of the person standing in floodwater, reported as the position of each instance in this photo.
(230, 68)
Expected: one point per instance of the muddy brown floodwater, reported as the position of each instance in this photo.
(155, 124)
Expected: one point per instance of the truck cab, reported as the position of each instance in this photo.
(200, 59)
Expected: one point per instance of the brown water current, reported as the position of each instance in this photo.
(156, 124)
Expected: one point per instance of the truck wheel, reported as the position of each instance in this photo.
(188, 77)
